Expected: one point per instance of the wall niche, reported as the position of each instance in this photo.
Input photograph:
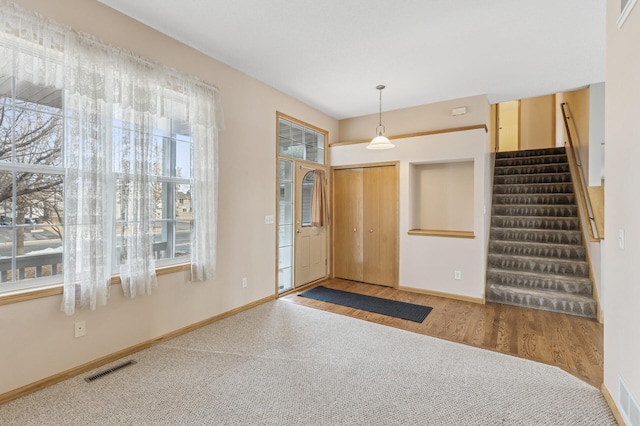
(442, 198)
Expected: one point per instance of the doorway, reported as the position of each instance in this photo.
(301, 222)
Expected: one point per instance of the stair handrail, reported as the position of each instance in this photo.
(582, 181)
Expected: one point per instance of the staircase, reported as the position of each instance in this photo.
(537, 258)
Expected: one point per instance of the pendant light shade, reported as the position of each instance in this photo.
(380, 141)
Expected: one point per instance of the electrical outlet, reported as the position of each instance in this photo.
(457, 275)
(244, 282)
(80, 329)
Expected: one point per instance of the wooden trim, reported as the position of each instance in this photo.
(365, 165)
(56, 289)
(413, 135)
(442, 233)
(612, 405)
(583, 214)
(72, 372)
(479, 300)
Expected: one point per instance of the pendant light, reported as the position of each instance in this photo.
(380, 141)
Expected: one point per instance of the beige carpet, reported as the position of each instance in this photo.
(285, 364)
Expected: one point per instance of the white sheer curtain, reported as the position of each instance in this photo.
(205, 119)
(89, 182)
(113, 102)
(136, 113)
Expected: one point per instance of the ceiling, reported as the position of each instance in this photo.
(331, 54)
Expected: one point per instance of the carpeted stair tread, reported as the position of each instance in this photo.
(533, 188)
(534, 199)
(548, 251)
(532, 152)
(536, 222)
(542, 265)
(545, 300)
(530, 160)
(532, 178)
(548, 236)
(563, 283)
(554, 210)
(532, 169)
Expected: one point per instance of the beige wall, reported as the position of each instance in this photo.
(442, 196)
(537, 122)
(622, 204)
(427, 262)
(417, 119)
(578, 102)
(38, 339)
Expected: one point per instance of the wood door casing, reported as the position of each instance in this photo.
(347, 224)
(380, 225)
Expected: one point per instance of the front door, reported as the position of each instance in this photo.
(310, 252)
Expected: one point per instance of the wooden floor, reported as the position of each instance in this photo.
(572, 343)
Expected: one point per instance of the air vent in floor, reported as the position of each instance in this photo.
(109, 371)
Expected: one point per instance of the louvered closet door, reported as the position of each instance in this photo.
(347, 224)
(380, 195)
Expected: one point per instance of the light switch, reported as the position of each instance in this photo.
(269, 220)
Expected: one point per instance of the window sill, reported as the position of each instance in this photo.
(441, 233)
(55, 289)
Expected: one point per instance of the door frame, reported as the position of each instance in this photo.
(396, 164)
(296, 162)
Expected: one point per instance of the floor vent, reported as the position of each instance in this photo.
(630, 408)
(109, 371)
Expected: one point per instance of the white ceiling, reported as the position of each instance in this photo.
(331, 54)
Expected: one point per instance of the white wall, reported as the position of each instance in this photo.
(37, 339)
(428, 262)
(622, 204)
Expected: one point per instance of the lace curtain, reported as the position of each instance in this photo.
(109, 93)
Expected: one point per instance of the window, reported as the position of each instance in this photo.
(31, 181)
(307, 198)
(171, 167)
(96, 146)
(301, 142)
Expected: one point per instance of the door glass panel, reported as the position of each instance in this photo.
(285, 225)
(307, 198)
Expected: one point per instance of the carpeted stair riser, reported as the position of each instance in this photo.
(527, 170)
(534, 188)
(536, 254)
(557, 283)
(537, 235)
(535, 210)
(537, 178)
(530, 161)
(552, 251)
(582, 306)
(536, 222)
(531, 152)
(576, 268)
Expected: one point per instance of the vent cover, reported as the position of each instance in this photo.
(109, 371)
(630, 408)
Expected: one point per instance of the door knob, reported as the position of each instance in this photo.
(355, 229)
(371, 231)
(298, 231)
